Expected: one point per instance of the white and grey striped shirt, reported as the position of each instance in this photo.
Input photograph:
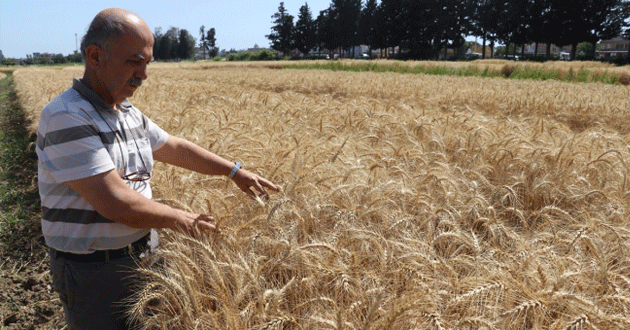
(79, 136)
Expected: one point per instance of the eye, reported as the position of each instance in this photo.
(134, 62)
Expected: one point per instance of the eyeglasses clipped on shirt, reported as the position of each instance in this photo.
(142, 175)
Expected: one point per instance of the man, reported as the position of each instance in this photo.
(96, 153)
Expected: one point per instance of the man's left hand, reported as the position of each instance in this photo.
(247, 180)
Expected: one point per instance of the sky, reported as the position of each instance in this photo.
(49, 26)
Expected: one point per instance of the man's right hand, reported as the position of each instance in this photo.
(196, 224)
(113, 199)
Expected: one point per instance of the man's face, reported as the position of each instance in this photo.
(125, 65)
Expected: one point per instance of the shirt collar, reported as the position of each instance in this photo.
(96, 100)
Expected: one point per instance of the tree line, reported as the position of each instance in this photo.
(174, 44)
(420, 29)
(179, 44)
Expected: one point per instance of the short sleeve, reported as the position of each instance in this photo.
(72, 147)
(157, 136)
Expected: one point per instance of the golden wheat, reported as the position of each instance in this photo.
(408, 201)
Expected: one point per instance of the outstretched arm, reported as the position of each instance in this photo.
(185, 154)
(113, 199)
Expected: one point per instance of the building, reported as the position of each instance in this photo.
(255, 48)
(616, 47)
(530, 49)
(42, 56)
(476, 48)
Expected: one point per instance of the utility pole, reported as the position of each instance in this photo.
(76, 40)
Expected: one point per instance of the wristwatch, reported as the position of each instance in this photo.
(235, 169)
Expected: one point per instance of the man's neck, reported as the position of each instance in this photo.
(94, 84)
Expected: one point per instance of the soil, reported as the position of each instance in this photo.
(27, 300)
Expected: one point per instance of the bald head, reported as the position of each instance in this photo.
(109, 25)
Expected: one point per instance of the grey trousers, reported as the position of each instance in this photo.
(93, 293)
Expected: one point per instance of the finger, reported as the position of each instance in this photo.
(263, 193)
(269, 185)
(206, 223)
(196, 231)
(260, 189)
(206, 226)
(205, 217)
(215, 229)
(250, 193)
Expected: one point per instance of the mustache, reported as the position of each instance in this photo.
(135, 82)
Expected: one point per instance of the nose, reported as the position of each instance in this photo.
(142, 72)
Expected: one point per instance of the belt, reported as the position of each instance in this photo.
(105, 255)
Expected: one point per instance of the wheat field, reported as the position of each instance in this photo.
(407, 202)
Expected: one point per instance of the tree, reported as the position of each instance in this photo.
(490, 16)
(475, 21)
(304, 32)
(58, 59)
(590, 21)
(8, 61)
(426, 23)
(543, 20)
(165, 45)
(186, 45)
(326, 34)
(368, 24)
(75, 57)
(345, 19)
(391, 30)
(453, 23)
(281, 35)
(203, 45)
(513, 25)
(211, 41)
(523, 12)
(433, 25)
(158, 49)
(585, 50)
(463, 27)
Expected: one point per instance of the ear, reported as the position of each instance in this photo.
(94, 56)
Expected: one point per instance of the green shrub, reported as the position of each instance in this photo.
(8, 61)
(437, 70)
(469, 71)
(249, 55)
(609, 78)
(583, 76)
(264, 55)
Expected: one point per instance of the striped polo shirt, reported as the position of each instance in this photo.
(79, 136)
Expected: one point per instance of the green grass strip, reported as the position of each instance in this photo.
(508, 71)
(444, 70)
(535, 74)
(19, 197)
